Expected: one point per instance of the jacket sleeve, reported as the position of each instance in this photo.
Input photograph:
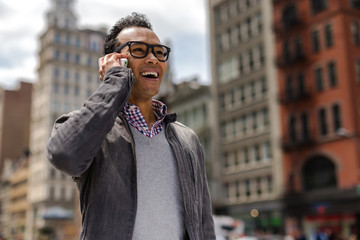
(77, 137)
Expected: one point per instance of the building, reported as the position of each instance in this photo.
(67, 76)
(15, 107)
(247, 164)
(14, 183)
(167, 87)
(5, 228)
(318, 60)
(191, 102)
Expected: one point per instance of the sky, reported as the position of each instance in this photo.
(182, 22)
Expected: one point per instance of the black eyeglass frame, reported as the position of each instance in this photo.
(118, 49)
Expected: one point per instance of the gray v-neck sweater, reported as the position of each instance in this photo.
(160, 211)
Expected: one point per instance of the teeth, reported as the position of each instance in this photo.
(150, 73)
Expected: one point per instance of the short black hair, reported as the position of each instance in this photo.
(133, 20)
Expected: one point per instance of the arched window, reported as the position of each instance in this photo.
(319, 172)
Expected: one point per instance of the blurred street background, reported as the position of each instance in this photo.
(271, 87)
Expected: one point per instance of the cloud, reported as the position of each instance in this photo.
(189, 54)
(4, 10)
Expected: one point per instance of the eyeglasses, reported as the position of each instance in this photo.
(140, 50)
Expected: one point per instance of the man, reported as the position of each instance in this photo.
(140, 173)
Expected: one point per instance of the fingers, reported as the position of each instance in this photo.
(108, 61)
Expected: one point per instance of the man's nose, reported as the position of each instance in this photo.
(150, 58)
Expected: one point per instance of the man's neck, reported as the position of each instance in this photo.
(146, 109)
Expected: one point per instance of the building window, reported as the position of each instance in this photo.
(253, 90)
(248, 27)
(355, 4)
(234, 36)
(242, 94)
(286, 52)
(258, 186)
(77, 76)
(55, 87)
(292, 129)
(263, 86)
(62, 193)
(270, 184)
(289, 87)
(318, 6)
(78, 42)
(248, 4)
(66, 89)
(322, 122)
(328, 35)
(239, 32)
(319, 79)
(247, 187)
(251, 59)
(257, 153)
(57, 37)
(52, 173)
(56, 73)
(301, 84)
(67, 57)
(88, 93)
(67, 39)
(243, 124)
(265, 113)
(357, 66)
(218, 43)
(254, 121)
(52, 193)
(355, 33)
(298, 48)
(332, 74)
(336, 116)
(266, 151)
(259, 21)
(227, 190)
(225, 40)
(67, 74)
(77, 58)
(76, 91)
(224, 13)
(289, 17)
(305, 126)
(246, 155)
(56, 54)
(262, 55)
(237, 190)
(315, 40)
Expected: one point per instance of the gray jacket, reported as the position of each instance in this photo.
(96, 147)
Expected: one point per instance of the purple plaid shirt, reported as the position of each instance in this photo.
(135, 118)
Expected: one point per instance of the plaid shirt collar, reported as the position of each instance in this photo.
(136, 119)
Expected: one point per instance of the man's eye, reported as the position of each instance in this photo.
(161, 53)
(139, 50)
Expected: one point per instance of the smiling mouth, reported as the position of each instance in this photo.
(152, 75)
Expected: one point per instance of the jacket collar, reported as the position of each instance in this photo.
(170, 118)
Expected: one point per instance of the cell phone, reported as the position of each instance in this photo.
(124, 62)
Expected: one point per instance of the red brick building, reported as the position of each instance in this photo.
(318, 61)
(15, 108)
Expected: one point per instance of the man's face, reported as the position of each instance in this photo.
(145, 86)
